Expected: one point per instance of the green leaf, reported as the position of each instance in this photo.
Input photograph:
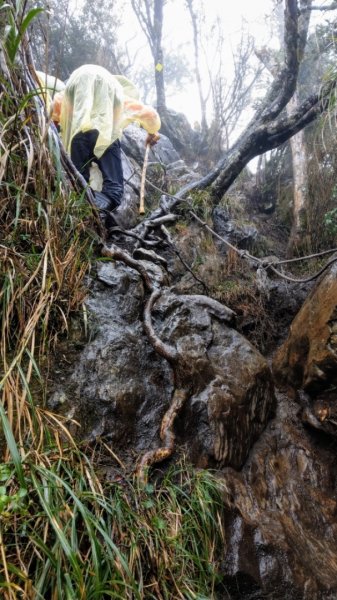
(70, 554)
(148, 503)
(159, 523)
(149, 488)
(14, 39)
(22, 493)
(5, 472)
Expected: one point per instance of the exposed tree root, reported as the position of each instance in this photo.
(146, 254)
(166, 435)
(166, 351)
(220, 311)
(119, 254)
(153, 285)
(128, 233)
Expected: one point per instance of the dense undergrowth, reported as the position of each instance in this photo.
(64, 533)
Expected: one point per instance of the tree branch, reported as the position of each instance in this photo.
(284, 84)
(332, 6)
(267, 129)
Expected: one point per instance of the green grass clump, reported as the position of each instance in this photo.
(46, 240)
(65, 535)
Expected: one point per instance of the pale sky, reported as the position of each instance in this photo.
(177, 32)
(252, 15)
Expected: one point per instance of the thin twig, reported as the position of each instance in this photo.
(244, 253)
(183, 262)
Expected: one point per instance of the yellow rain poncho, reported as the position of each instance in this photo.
(49, 83)
(95, 99)
(49, 87)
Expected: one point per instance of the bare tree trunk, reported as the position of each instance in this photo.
(300, 184)
(150, 17)
(298, 145)
(158, 55)
(189, 4)
(297, 142)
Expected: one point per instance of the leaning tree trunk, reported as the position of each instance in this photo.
(270, 126)
(297, 142)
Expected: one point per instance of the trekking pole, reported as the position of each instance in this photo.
(142, 181)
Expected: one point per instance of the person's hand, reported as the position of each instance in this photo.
(152, 139)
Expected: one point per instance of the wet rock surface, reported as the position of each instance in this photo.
(282, 531)
(133, 143)
(232, 394)
(308, 358)
(119, 376)
(278, 472)
(241, 236)
(187, 141)
(122, 388)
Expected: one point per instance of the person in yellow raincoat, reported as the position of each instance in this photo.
(92, 111)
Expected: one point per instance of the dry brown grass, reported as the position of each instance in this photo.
(45, 247)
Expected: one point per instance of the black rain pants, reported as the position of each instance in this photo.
(110, 164)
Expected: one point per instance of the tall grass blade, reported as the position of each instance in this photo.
(12, 446)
